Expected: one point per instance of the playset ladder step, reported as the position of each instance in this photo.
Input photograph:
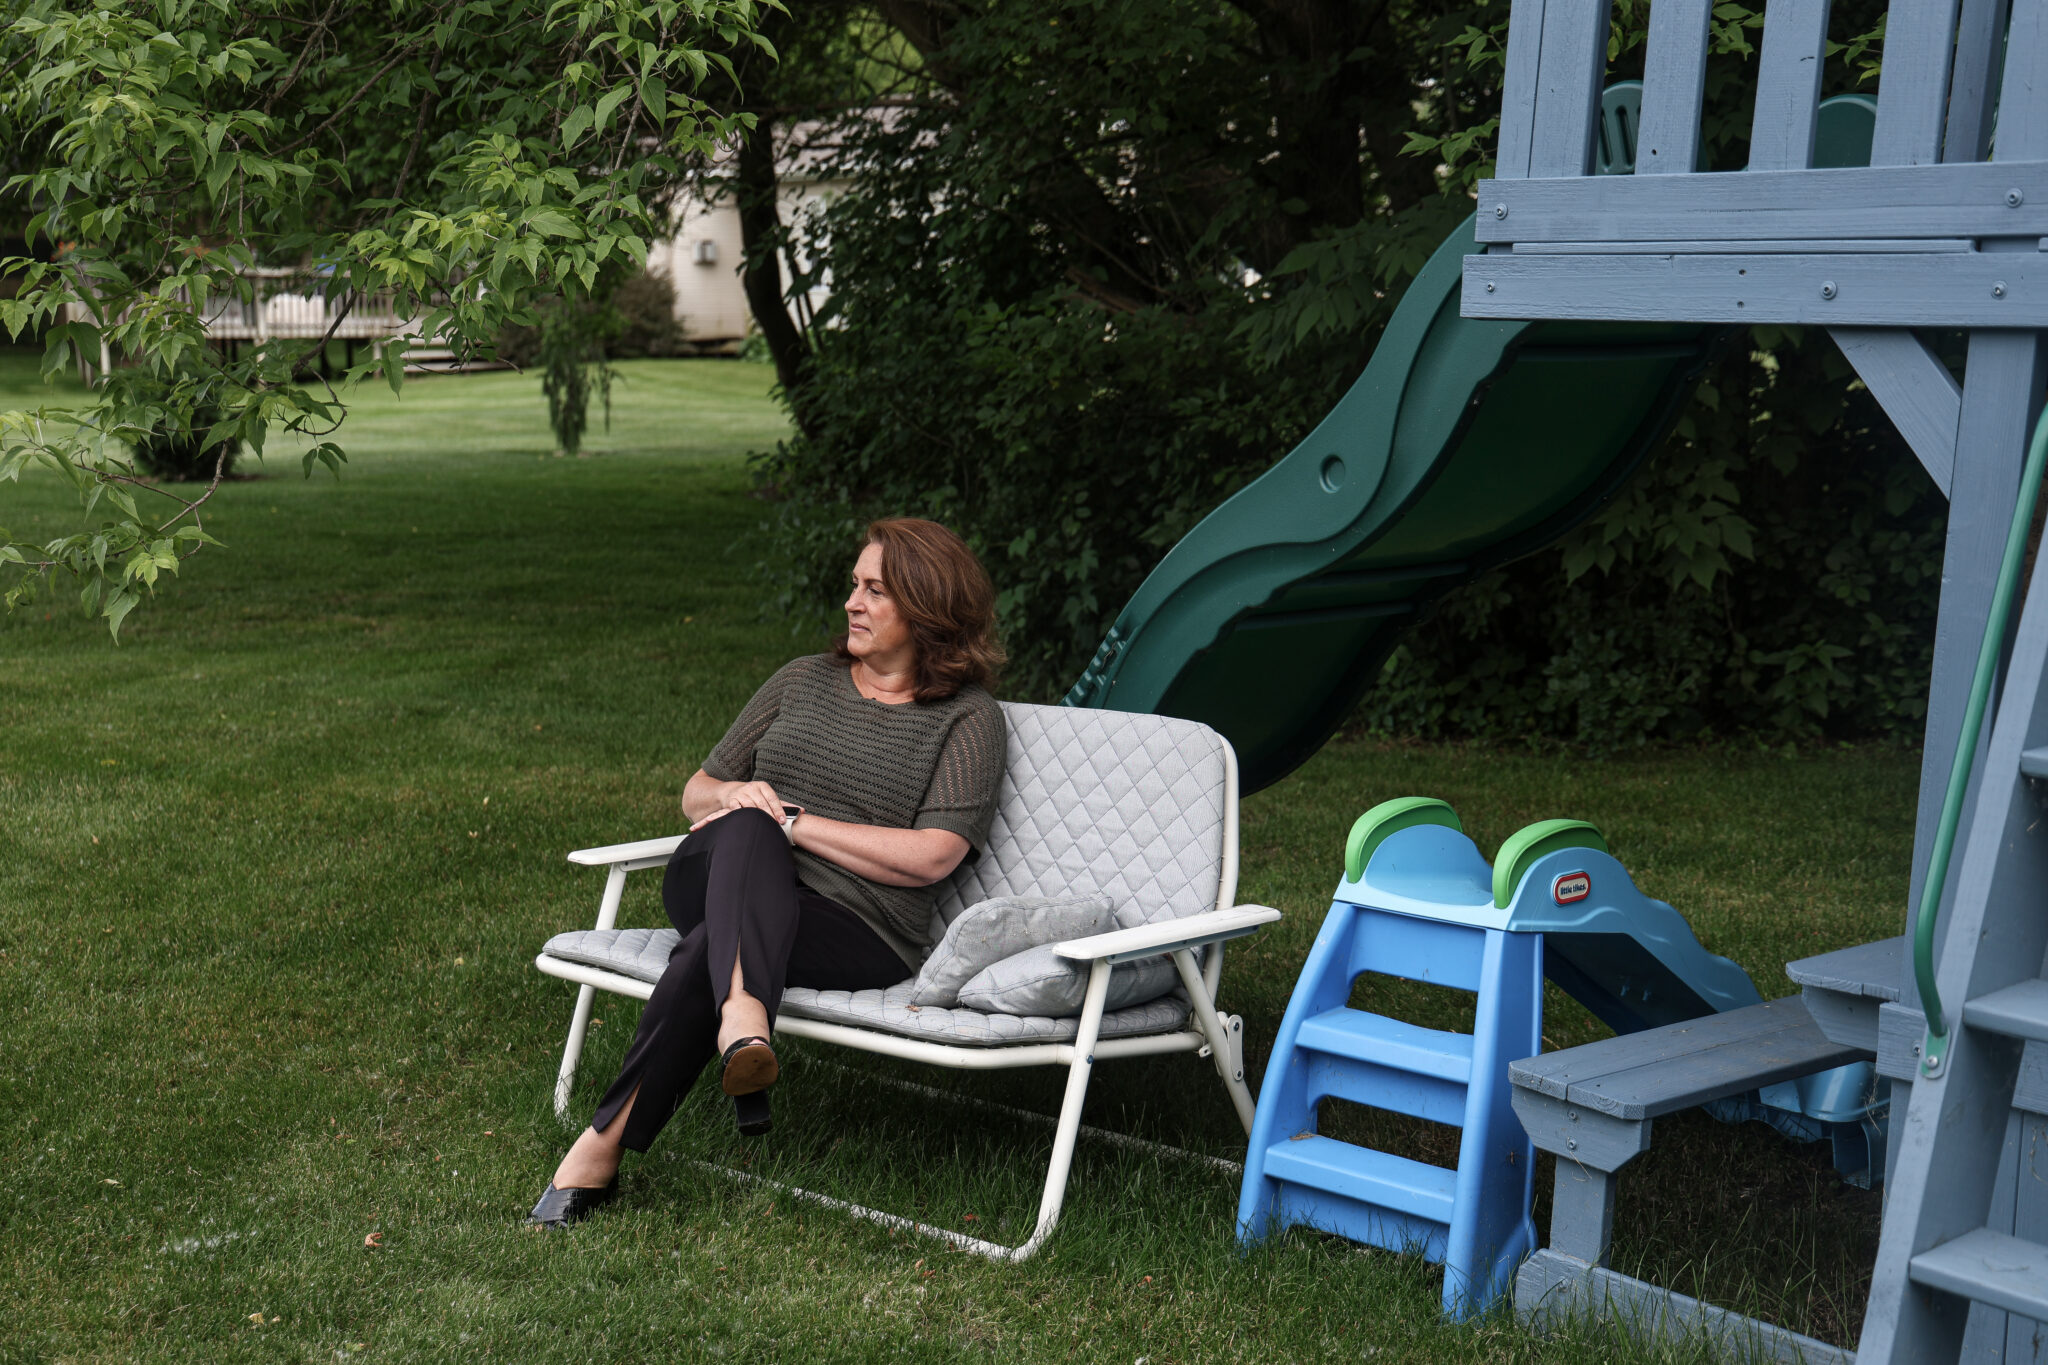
(1372, 1177)
(1374, 1038)
(2034, 762)
(1990, 1268)
(2019, 1011)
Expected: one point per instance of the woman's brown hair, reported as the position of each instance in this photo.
(946, 600)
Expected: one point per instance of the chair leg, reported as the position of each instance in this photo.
(1069, 1130)
(1225, 1034)
(579, 1027)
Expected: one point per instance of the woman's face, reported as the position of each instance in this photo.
(875, 632)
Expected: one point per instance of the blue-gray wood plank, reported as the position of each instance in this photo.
(1775, 246)
(1979, 59)
(1912, 93)
(1872, 969)
(2018, 1011)
(2026, 1340)
(1518, 89)
(1674, 87)
(1661, 1071)
(1990, 1266)
(1573, 55)
(1847, 290)
(1788, 85)
(2023, 90)
(1739, 206)
(1915, 389)
(1552, 1288)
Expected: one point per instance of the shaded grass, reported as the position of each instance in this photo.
(272, 874)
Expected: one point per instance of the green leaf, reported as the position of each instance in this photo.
(118, 607)
(394, 366)
(552, 223)
(611, 101)
(326, 453)
(654, 94)
(576, 125)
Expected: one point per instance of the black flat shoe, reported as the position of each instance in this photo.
(560, 1208)
(747, 1066)
(751, 1113)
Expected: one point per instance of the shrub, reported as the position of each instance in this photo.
(1773, 571)
(646, 307)
(176, 449)
(574, 365)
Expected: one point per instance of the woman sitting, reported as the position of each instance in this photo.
(849, 785)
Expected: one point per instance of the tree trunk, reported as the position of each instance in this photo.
(763, 235)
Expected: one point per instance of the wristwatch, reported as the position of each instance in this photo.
(789, 815)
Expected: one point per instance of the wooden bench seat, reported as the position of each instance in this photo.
(1592, 1107)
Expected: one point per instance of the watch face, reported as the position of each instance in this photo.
(790, 812)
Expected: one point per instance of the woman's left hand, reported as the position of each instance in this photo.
(732, 796)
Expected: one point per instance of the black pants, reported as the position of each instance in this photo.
(731, 888)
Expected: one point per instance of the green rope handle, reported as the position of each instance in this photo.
(1966, 747)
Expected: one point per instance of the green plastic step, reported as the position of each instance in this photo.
(2017, 1011)
(1381, 1179)
(1990, 1268)
(1365, 1037)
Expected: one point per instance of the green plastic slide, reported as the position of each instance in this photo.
(1464, 444)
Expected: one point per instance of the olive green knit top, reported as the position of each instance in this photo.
(811, 735)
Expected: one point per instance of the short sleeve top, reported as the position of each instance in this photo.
(810, 734)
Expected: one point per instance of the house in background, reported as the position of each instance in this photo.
(703, 256)
(702, 259)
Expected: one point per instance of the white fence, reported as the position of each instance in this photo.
(294, 303)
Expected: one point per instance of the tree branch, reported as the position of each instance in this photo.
(361, 90)
(291, 78)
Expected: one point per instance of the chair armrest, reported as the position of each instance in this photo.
(1150, 940)
(641, 852)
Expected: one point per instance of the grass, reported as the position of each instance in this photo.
(272, 874)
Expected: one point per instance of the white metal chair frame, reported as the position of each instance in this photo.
(1212, 1034)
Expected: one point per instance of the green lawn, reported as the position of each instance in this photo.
(273, 872)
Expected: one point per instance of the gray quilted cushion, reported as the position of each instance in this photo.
(639, 953)
(990, 931)
(1101, 803)
(643, 953)
(892, 1012)
(1040, 981)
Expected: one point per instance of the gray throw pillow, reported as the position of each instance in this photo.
(988, 931)
(1038, 981)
